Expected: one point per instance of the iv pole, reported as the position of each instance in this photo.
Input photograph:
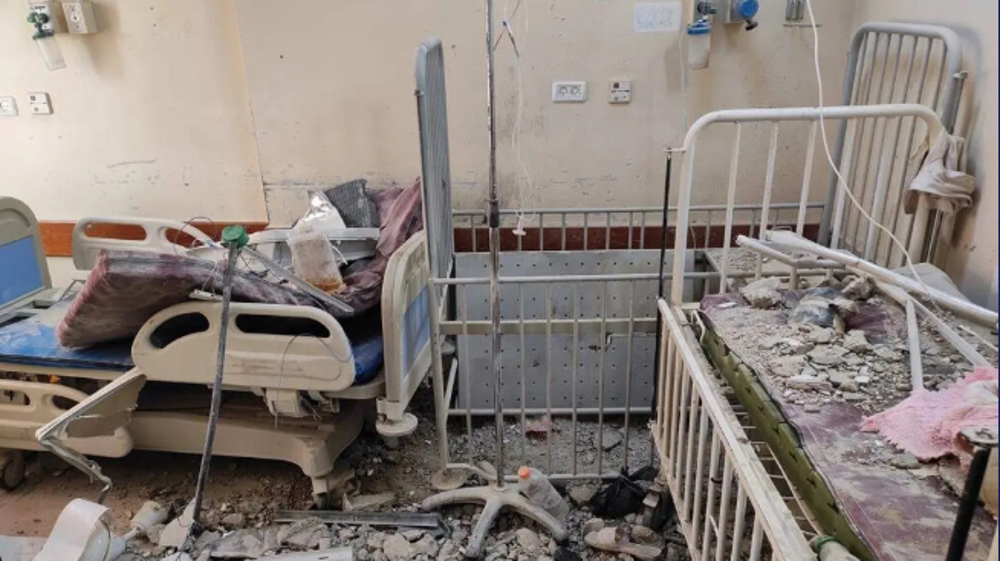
(497, 495)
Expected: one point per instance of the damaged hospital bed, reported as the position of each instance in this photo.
(759, 428)
(318, 385)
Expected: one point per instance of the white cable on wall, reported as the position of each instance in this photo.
(841, 182)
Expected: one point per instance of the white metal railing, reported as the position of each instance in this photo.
(849, 230)
(727, 505)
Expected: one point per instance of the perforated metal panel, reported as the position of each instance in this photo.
(549, 364)
(432, 113)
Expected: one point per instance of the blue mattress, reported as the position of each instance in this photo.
(33, 342)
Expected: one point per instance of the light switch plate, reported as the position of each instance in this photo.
(619, 91)
(39, 103)
(8, 106)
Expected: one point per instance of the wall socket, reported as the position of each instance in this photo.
(569, 91)
(8, 106)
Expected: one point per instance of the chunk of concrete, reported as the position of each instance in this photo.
(249, 543)
(366, 503)
(827, 355)
(763, 293)
(175, 533)
(787, 366)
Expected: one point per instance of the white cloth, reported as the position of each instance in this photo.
(940, 179)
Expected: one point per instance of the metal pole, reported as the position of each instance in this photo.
(494, 224)
(220, 363)
(968, 504)
(233, 237)
(659, 285)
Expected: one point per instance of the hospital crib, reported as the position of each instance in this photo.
(578, 314)
(733, 500)
(289, 376)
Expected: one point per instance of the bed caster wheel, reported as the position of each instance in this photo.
(12, 466)
(396, 429)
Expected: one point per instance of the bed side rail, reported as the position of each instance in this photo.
(158, 235)
(726, 503)
(406, 333)
(270, 346)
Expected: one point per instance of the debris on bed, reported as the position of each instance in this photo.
(839, 342)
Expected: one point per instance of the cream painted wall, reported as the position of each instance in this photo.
(151, 115)
(332, 95)
(972, 261)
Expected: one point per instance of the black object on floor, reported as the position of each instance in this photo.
(618, 498)
(566, 554)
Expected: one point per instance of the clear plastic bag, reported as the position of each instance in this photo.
(314, 260)
(313, 257)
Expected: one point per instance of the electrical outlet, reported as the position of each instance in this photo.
(620, 91)
(569, 92)
(39, 103)
(80, 17)
(8, 106)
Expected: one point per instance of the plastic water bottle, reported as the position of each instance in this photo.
(534, 485)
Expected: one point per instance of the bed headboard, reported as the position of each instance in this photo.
(788, 179)
(432, 113)
(24, 272)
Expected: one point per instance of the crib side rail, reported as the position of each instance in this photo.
(599, 228)
(726, 502)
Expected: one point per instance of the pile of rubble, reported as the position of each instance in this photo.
(237, 536)
(803, 341)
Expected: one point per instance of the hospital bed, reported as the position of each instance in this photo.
(289, 377)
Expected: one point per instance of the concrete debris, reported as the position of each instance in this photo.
(816, 311)
(234, 520)
(205, 541)
(857, 288)
(763, 293)
(805, 382)
(906, 461)
(853, 397)
(247, 544)
(180, 556)
(822, 335)
(843, 381)
(827, 355)
(176, 532)
(528, 540)
(593, 525)
(397, 548)
(310, 533)
(365, 503)
(581, 494)
(856, 342)
(886, 353)
(787, 366)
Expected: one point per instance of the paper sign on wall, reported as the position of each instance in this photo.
(657, 17)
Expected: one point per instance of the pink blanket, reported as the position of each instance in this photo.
(927, 423)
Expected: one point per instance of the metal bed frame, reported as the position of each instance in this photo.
(697, 431)
(890, 62)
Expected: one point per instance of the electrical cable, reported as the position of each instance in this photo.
(841, 182)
